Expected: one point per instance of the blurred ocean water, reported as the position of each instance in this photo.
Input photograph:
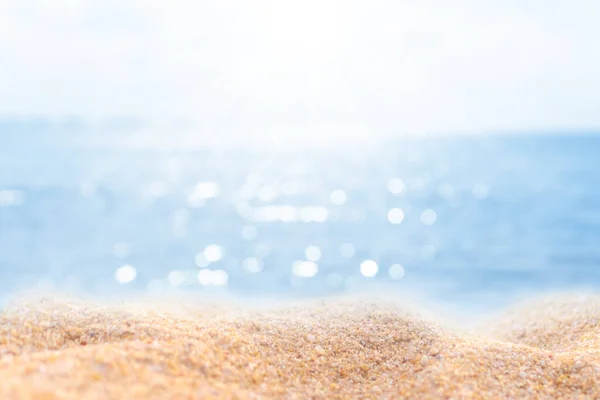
(462, 219)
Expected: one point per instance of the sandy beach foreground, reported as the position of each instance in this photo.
(60, 348)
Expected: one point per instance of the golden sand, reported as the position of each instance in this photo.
(348, 349)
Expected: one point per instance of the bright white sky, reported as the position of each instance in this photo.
(402, 65)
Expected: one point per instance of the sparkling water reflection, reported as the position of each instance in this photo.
(455, 217)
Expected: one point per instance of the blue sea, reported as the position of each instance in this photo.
(472, 220)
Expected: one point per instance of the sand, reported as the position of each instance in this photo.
(65, 348)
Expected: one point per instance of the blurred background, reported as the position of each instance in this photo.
(288, 148)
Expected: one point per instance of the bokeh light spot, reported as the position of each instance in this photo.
(312, 253)
(428, 217)
(201, 192)
(253, 265)
(396, 216)
(396, 271)
(213, 253)
(125, 274)
(397, 187)
(208, 277)
(369, 268)
(337, 197)
(305, 269)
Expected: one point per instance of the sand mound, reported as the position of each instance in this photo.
(335, 349)
(560, 323)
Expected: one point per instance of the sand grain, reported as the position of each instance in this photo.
(69, 349)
